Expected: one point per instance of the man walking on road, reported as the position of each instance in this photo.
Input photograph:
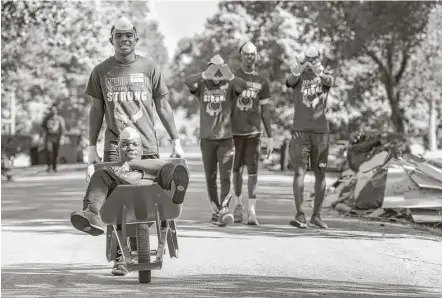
(124, 90)
(310, 136)
(215, 88)
(250, 107)
(53, 129)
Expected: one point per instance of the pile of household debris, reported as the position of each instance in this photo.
(384, 182)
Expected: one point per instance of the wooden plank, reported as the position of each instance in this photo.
(393, 202)
(398, 182)
(426, 203)
(424, 181)
(430, 170)
(420, 199)
(423, 193)
(426, 216)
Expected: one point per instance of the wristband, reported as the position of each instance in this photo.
(176, 141)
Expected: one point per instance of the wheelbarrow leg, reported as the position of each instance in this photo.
(122, 235)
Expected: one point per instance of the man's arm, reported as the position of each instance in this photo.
(292, 80)
(266, 119)
(132, 176)
(265, 107)
(62, 126)
(148, 166)
(96, 115)
(240, 84)
(165, 114)
(327, 77)
(192, 81)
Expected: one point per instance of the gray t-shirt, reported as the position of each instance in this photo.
(216, 103)
(128, 92)
(310, 96)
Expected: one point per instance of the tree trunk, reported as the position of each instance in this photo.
(397, 114)
(432, 127)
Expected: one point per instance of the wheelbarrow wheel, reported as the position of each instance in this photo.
(143, 250)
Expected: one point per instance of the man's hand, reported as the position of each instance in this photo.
(296, 68)
(269, 146)
(317, 68)
(177, 150)
(209, 73)
(89, 172)
(92, 156)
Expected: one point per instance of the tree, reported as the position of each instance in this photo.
(278, 35)
(386, 32)
(50, 47)
(423, 91)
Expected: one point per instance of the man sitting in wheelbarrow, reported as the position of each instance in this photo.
(131, 169)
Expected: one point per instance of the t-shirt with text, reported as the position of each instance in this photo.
(129, 92)
(310, 97)
(246, 114)
(215, 109)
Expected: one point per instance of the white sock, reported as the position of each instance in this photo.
(238, 200)
(252, 204)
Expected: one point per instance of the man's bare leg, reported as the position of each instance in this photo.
(298, 192)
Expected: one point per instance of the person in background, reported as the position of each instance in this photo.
(53, 129)
(311, 83)
(215, 89)
(249, 108)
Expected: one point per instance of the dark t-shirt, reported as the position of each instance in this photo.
(310, 97)
(54, 125)
(128, 92)
(246, 114)
(215, 108)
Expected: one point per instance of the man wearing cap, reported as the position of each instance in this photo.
(124, 90)
(249, 108)
(130, 169)
(215, 88)
(311, 83)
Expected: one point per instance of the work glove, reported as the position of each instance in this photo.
(92, 158)
(296, 68)
(177, 150)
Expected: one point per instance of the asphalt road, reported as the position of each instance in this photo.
(43, 256)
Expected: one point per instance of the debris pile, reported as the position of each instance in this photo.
(384, 182)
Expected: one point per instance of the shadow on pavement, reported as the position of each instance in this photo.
(36, 280)
(194, 229)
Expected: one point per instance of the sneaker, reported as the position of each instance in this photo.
(214, 219)
(119, 268)
(88, 222)
(225, 218)
(180, 183)
(238, 213)
(251, 218)
(317, 221)
(299, 221)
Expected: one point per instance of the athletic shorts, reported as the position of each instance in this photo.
(309, 149)
(247, 151)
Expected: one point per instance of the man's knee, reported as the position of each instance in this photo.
(319, 174)
(252, 169)
(299, 171)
